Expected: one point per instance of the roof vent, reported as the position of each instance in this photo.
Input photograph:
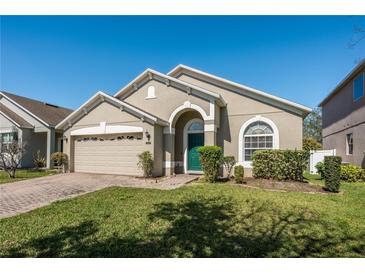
(50, 105)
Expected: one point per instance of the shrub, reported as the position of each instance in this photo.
(311, 144)
(332, 173)
(211, 159)
(39, 161)
(280, 164)
(239, 173)
(228, 163)
(351, 173)
(320, 169)
(146, 163)
(60, 159)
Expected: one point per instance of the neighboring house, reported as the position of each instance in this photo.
(33, 123)
(343, 118)
(171, 115)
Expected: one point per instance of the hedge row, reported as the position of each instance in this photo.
(280, 164)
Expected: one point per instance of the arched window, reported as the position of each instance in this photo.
(196, 127)
(257, 136)
(151, 92)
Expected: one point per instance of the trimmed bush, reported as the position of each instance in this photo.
(280, 165)
(228, 163)
(351, 173)
(211, 158)
(239, 173)
(145, 163)
(60, 160)
(332, 173)
(320, 169)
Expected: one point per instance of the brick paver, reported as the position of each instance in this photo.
(27, 195)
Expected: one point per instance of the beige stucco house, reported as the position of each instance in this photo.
(343, 118)
(171, 115)
(33, 123)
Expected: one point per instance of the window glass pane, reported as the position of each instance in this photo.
(196, 126)
(258, 128)
(358, 87)
(349, 143)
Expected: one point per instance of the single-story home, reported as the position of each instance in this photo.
(33, 123)
(171, 115)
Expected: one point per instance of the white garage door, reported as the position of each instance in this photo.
(113, 154)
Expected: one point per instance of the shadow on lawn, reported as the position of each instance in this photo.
(207, 228)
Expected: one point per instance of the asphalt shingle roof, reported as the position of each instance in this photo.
(14, 117)
(48, 113)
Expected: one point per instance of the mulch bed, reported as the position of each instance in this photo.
(284, 186)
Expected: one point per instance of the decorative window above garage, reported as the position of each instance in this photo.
(151, 92)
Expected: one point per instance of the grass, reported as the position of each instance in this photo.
(198, 220)
(23, 174)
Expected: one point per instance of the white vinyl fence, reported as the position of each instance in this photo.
(318, 156)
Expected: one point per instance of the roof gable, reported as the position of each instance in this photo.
(239, 88)
(13, 117)
(150, 74)
(47, 114)
(101, 97)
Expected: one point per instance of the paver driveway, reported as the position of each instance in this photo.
(26, 195)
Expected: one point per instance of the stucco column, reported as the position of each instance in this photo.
(210, 134)
(169, 150)
(50, 146)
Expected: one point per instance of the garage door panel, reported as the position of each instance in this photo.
(108, 156)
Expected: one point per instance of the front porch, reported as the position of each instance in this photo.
(189, 129)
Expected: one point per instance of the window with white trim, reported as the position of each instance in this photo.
(9, 137)
(151, 92)
(349, 144)
(257, 136)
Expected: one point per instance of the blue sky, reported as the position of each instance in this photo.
(65, 59)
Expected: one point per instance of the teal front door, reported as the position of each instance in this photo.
(195, 140)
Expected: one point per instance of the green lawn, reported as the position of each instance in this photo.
(198, 220)
(23, 174)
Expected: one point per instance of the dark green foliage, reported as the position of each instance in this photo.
(239, 173)
(228, 163)
(351, 173)
(320, 169)
(211, 158)
(145, 162)
(280, 165)
(332, 173)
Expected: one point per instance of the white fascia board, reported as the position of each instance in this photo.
(24, 109)
(101, 94)
(240, 86)
(172, 79)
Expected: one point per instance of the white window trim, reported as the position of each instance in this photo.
(241, 159)
(363, 87)
(153, 94)
(185, 144)
(348, 146)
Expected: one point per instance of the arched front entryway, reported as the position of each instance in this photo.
(189, 136)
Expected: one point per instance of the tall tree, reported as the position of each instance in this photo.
(312, 126)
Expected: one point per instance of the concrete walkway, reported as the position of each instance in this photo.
(30, 194)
